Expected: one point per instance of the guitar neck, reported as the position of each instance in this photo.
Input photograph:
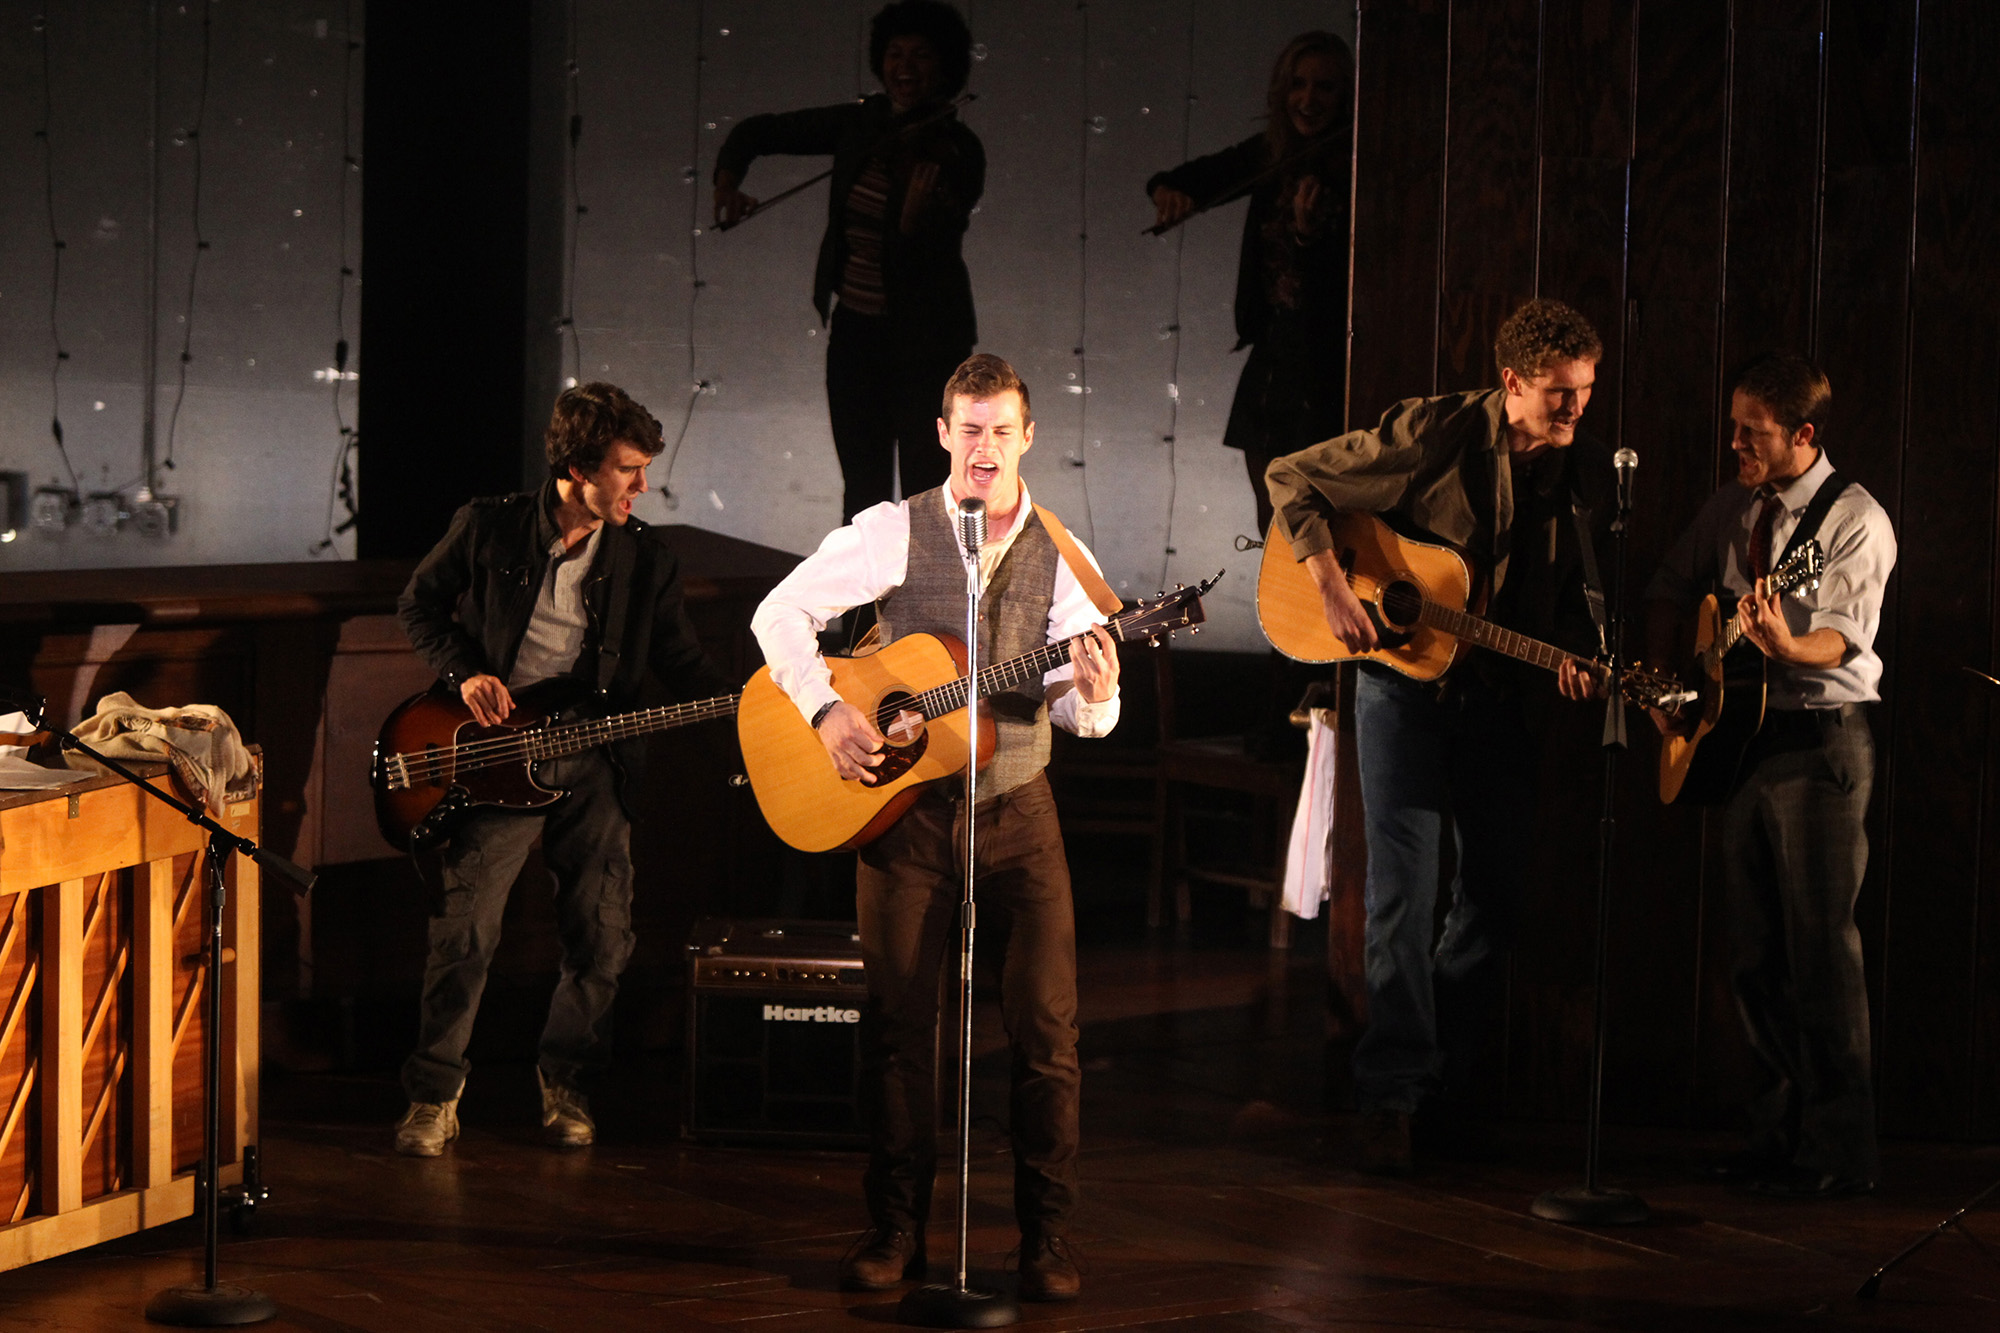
(1016, 671)
(575, 737)
(1485, 634)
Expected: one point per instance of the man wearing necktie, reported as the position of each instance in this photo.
(1794, 843)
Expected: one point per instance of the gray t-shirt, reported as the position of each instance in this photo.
(555, 631)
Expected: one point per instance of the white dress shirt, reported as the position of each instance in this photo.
(865, 560)
(1860, 549)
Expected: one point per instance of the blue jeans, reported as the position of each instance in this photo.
(1462, 754)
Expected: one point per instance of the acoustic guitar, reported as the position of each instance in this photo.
(814, 809)
(1698, 762)
(1416, 593)
(434, 764)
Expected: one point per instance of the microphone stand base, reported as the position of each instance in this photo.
(942, 1306)
(1581, 1206)
(221, 1306)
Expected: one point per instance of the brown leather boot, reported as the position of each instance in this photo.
(882, 1258)
(1048, 1269)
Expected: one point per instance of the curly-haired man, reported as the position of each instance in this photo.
(1495, 473)
(563, 585)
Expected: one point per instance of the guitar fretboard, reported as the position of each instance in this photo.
(575, 737)
(1016, 671)
(534, 744)
(1486, 634)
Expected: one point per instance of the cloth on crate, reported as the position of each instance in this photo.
(198, 743)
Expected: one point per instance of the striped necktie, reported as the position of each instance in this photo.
(1760, 535)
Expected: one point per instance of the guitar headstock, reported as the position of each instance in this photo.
(1801, 570)
(1158, 617)
(1653, 689)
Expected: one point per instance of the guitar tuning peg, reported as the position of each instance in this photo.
(1180, 587)
(1153, 642)
(1194, 629)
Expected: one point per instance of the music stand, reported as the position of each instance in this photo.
(213, 1304)
(959, 1305)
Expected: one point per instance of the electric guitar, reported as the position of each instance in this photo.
(434, 763)
(1416, 594)
(814, 809)
(1698, 762)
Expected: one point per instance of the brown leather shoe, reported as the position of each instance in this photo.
(1048, 1269)
(1384, 1139)
(882, 1258)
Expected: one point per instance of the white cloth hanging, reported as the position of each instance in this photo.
(1309, 854)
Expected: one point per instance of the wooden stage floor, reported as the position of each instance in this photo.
(1217, 1196)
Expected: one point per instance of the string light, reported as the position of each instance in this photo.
(340, 487)
(1172, 437)
(576, 205)
(57, 245)
(193, 137)
(697, 386)
(1086, 125)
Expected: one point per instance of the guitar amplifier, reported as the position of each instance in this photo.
(774, 1032)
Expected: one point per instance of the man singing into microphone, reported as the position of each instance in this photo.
(1493, 473)
(1040, 587)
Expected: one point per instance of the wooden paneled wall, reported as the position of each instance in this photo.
(1709, 180)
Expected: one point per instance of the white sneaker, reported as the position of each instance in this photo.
(426, 1127)
(566, 1121)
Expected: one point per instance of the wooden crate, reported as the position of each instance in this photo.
(103, 1014)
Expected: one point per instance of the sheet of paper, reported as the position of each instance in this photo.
(17, 773)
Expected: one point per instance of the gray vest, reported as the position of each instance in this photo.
(1014, 619)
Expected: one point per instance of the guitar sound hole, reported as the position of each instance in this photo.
(897, 759)
(1401, 605)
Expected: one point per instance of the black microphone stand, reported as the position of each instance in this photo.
(213, 1304)
(959, 1305)
(1592, 1205)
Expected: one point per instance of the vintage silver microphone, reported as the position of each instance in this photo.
(972, 526)
(1627, 463)
(958, 1305)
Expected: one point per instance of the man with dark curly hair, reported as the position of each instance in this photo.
(562, 588)
(906, 173)
(1496, 473)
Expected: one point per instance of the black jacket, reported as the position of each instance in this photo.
(468, 604)
(928, 291)
(1207, 179)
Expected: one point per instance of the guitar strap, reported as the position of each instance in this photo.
(1816, 510)
(1085, 573)
(618, 593)
(1593, 582)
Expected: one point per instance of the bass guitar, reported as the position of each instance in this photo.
(434, 764)
(813, 808)
(1417, 594)
(1698, 762)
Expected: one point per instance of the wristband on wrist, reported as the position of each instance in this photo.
(820, 716)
